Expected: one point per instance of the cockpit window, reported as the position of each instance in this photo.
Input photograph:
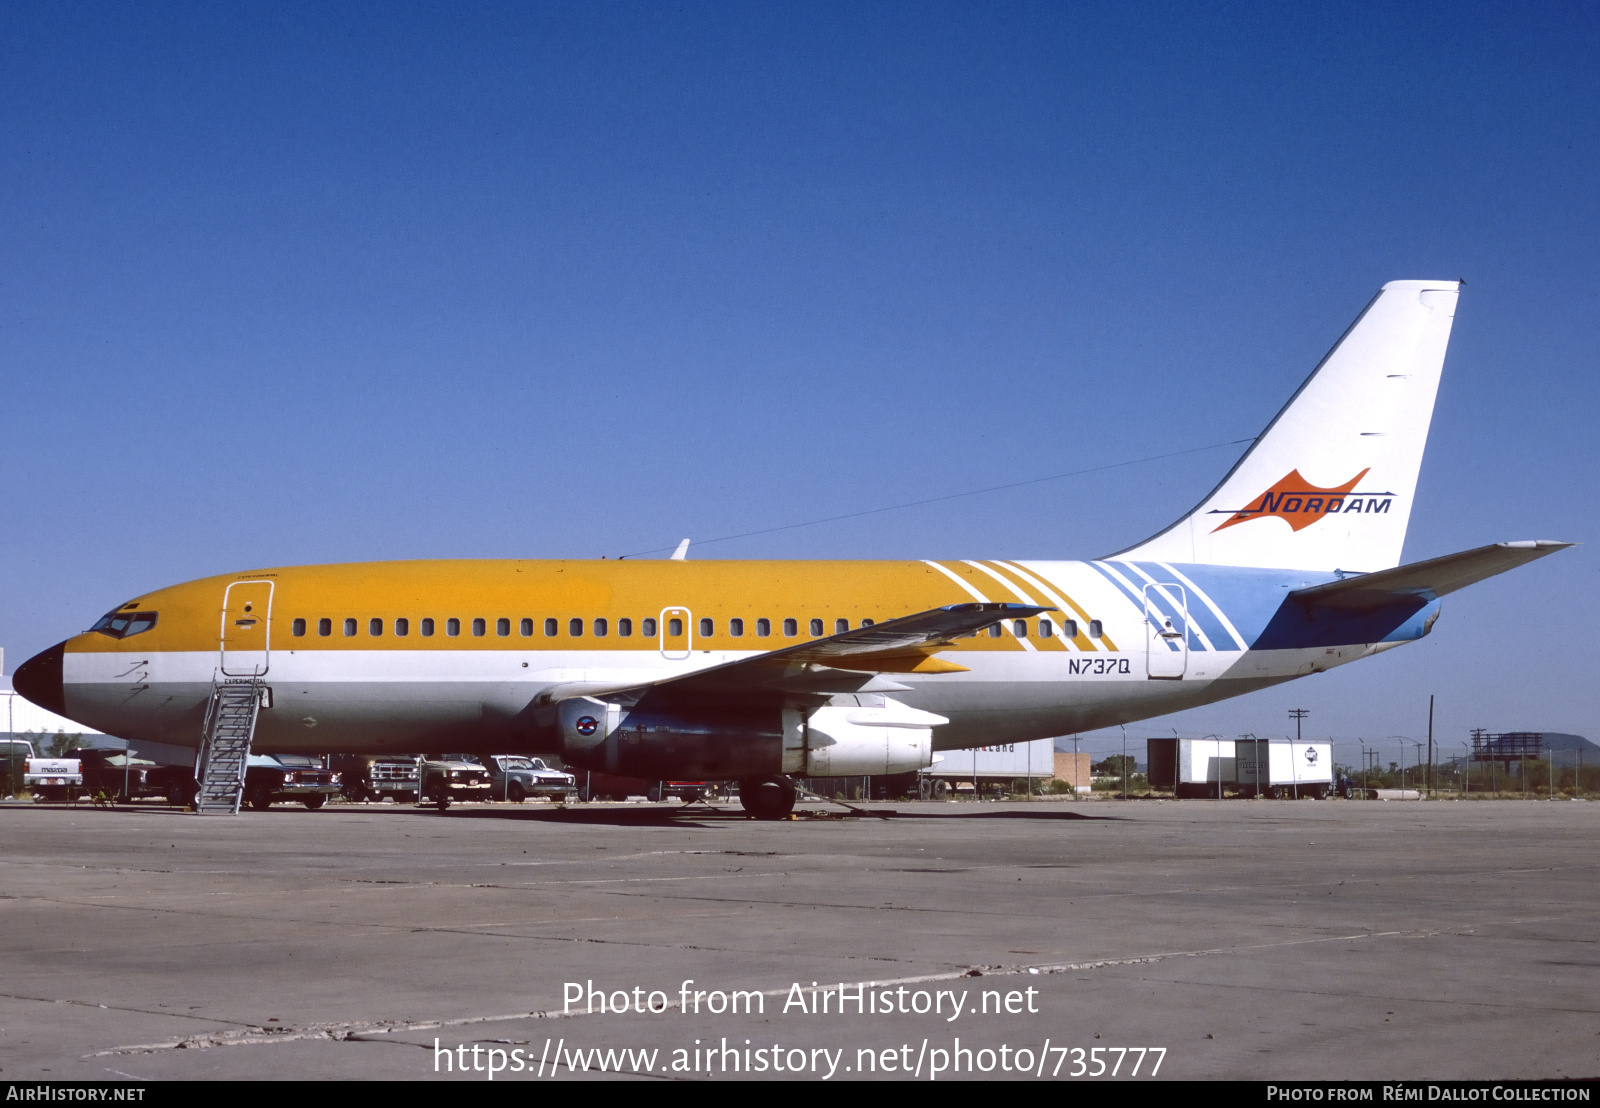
(120, 624)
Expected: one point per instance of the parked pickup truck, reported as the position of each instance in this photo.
(377, 777)
(54, 778)
(125, 777)
(273, 777)
(447, 778)
(515, 777)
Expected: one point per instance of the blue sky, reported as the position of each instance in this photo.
(296, 283)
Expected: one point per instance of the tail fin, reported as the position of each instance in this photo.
(1328, 485)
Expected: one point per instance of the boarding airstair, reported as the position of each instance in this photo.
(225, 747)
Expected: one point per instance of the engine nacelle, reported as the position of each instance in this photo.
(736, 741)
(643, 741)
(853, 740)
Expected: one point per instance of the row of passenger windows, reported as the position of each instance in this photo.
(574, 627)
(601, 627)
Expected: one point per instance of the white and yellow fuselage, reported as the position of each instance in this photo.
(413, 656)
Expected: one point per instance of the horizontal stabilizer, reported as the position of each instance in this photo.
(1427, 580)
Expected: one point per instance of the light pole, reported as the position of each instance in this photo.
(1466, 765)
(1075, 774)
(1124, 760)
(1403, 740)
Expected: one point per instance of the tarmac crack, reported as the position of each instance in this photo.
(353, 1031)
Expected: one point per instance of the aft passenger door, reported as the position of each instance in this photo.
(677, 634)
(246, 628)
(1166, 618)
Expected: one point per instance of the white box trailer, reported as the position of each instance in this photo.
(1284, 768)
(1001, 762)
(975, 769)
(1200, 768)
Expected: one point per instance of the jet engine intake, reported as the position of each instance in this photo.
(641, 741)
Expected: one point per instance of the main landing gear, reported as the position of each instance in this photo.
(767, 797)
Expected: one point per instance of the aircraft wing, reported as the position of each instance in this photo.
(1427, 580)
(904, 645)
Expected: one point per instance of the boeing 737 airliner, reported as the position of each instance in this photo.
(755, 671)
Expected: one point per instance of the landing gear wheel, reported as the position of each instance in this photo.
(314, 801)
(260, 799)
(516, 793)
(767, 797)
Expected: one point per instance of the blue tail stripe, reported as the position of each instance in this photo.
(1200, 612)
(1171, 611)
(1161, 603)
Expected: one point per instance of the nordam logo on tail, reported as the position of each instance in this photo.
(1299, 503)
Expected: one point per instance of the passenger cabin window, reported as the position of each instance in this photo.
(1069, 628)
(707, 628)
(122, 625)
(647, 627)
(994, 630)
(427, 627)
(375, 627)
(866, 623)
(816, 627)
(674, 626)
(575, 628)
(349, 628)
(402, 627)
(601, 627)
(452, 626)
(479, 627)
(840, 626)
(1046, 629)
(502, 627)
(736, 628)
(550, 626)
(763, 627)
(791, 628)
(1019, 627)
(298, 627)
(625, 628)
(525, 628)
(1095, 630)
(324, 627)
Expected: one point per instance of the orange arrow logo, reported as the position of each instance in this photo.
(1295, 501)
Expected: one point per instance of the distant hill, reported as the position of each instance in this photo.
(1555, 740)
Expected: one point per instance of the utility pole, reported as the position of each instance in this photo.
(1430, 744)
(1480, 742)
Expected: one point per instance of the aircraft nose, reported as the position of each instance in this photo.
(39, 679)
